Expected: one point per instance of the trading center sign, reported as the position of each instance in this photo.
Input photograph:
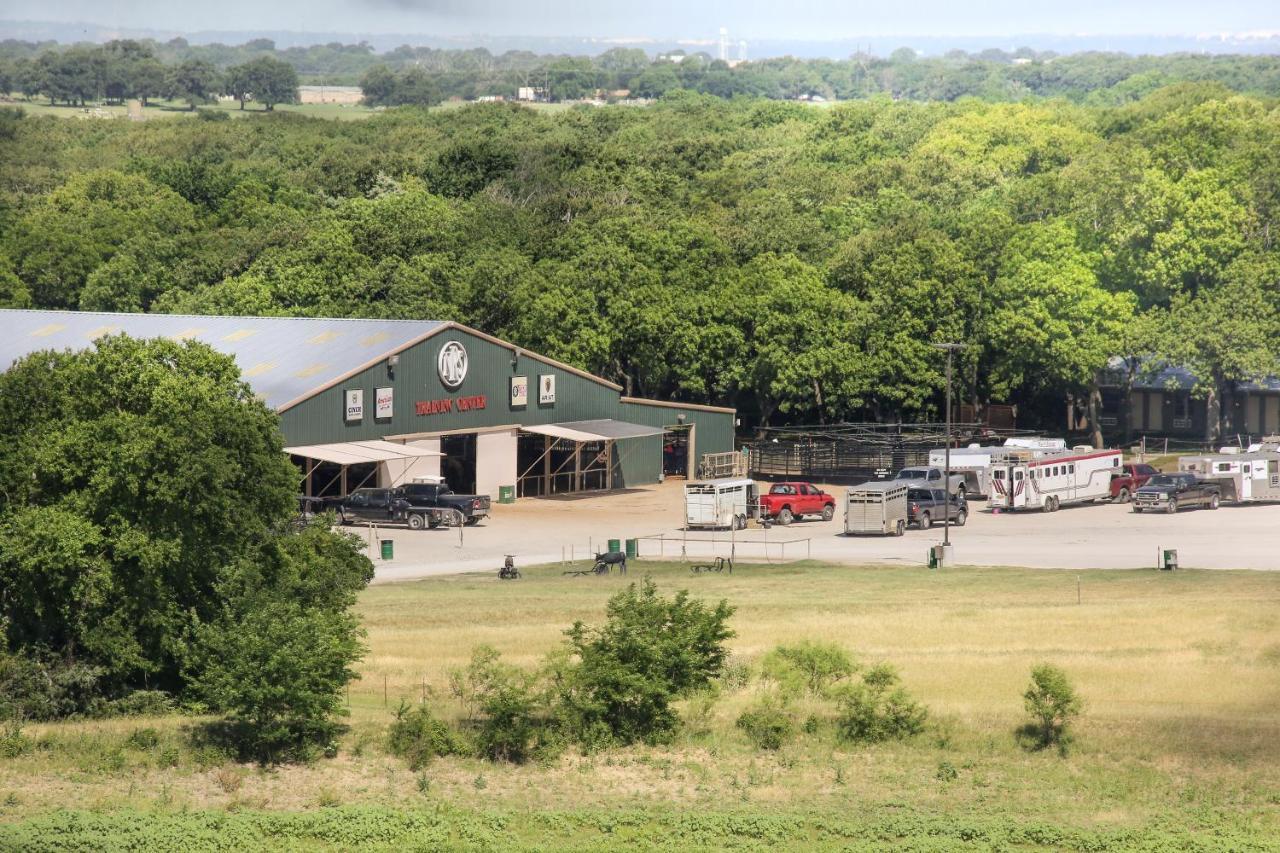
(452, 364)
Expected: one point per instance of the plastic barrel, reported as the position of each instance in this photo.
(615, 544)
(633, 548)
(388, 548)
(1170, 560)
(506, 494)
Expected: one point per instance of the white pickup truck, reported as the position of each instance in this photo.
(930, 477)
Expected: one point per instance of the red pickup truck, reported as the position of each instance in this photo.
(1129, 479)
(788, 501)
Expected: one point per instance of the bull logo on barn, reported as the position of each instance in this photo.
(452, 364)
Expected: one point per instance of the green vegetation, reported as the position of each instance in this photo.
(1052, 702)
(1178, 749)
(147, 544)
(792, 262)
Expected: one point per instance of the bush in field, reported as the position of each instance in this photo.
(650, 651)
(1053, 704)
(502, 708)
(809, 666)
(878, 709)
(767, 724)
(416, 735)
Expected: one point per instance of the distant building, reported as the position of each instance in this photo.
(330, 94)
(531, 93)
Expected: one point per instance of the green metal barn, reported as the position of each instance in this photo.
(383, 402)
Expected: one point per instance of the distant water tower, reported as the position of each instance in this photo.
(742, 50)
(724, 44)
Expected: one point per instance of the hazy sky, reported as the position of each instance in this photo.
(797, 19)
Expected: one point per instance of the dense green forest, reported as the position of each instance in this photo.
(791, 261)
(424, 75)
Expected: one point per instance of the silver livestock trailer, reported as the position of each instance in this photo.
(724, 503)
(1246, 476)
(879, 507)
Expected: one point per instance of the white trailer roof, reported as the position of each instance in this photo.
(357, 452)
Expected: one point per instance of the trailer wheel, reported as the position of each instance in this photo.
(1137, 509)
(416, 521)
(961, 518)
(1172, 506)
(1057, 504)
(900, 528)
(1122, 496)
(1213, 502)
(739, 522)
(828, 512)
(785, 516)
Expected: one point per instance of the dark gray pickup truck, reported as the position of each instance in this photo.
(1171, 492)
(430, 504)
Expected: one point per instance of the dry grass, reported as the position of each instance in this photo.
(1180, 673)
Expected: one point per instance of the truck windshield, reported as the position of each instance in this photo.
(1163, 480)
(913, 474)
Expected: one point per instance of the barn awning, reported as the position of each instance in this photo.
(358, 452)
(601, 430)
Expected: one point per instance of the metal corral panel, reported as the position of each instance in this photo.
(282, 358)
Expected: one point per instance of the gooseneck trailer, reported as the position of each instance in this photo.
(1025, 480)
(1248, 476)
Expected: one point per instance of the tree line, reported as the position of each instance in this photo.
(425, 75)
(127, 69)
(791, 262)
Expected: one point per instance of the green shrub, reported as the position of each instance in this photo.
(650, 651)
(1052, 702)
(502, 709)
(143, 739)
(808, 665)
(12, 741)
(141, 703)
(767, 725)
(39, 688)
(878, 709)
(417, 736)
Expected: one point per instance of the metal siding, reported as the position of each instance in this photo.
(489, 370)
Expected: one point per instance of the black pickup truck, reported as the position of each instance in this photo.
(1170, 492)
(428, 504)
(366, 505)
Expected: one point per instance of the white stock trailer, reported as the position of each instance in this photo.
(1247, 476)
(975, 461)
(1052, 479)
(723, 503)
(877, 507)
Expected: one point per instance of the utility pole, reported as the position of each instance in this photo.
(946, 513)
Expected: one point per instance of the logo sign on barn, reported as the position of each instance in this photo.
(452, 364)
(519, 390)
(355, 405)
(382, 399)
(547, 388)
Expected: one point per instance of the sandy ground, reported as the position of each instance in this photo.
(1088, 536)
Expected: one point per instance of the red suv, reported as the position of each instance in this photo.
(788, 501)
(1129, 479)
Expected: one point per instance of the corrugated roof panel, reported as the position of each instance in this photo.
(277, 355)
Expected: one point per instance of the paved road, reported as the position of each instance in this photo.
(1088, 536)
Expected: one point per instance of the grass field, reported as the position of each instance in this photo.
(1177, 749)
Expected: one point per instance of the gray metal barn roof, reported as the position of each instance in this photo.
(282, 358)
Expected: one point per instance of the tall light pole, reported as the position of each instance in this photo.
(946, 482)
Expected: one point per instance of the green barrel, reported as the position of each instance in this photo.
(388, 548)
(506, 494)
(615, 544)
(633, 548)
(933, 558)
(1170, 560)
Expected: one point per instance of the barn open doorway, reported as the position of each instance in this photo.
(458, 467)
(675, 451)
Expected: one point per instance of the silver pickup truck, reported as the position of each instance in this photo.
(929, 477)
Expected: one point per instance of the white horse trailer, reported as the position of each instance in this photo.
(1053, 478)
(975, 462)
(720, 503)
(1249, 476)
(879, 507)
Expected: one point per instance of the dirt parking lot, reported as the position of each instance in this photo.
(1087, 536)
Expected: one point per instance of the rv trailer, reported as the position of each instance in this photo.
(1245, 476)
(1053, 479)
(975, 461)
